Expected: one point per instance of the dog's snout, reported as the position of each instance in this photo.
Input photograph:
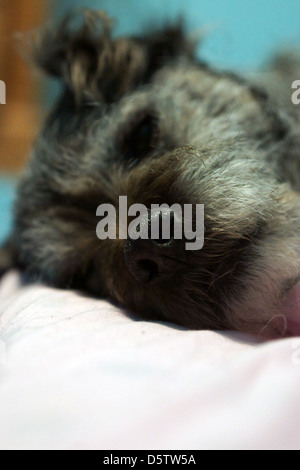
(150, 260)
(156, 256)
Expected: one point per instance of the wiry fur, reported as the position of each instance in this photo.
(142, 117)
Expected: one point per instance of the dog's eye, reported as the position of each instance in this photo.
(141, 140)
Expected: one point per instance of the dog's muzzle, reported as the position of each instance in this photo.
(154, 260)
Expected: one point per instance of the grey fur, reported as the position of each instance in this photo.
(216, 138)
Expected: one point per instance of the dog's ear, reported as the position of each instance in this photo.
(167, 45)
(81, 50)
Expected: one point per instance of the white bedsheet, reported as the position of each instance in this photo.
(78, 373)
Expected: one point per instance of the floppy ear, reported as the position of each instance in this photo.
(82, 51)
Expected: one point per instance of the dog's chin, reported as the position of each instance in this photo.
(281, 320)
(290, 311)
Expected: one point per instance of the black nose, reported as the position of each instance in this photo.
(158, 258)
(150, 260)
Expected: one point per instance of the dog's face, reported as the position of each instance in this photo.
(140, 118)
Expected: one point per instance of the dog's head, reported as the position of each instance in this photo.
(141, 117)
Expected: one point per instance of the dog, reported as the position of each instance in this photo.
(144, 117)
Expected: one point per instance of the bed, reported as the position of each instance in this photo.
(80, 373)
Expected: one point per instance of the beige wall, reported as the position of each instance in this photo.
(20, 115)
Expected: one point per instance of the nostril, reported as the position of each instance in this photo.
(149, 267)
(148, 261)
(140, 261)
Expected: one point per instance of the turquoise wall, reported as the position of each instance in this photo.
(6, 201)
(243, 32)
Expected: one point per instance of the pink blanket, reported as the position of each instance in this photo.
(78, 373)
